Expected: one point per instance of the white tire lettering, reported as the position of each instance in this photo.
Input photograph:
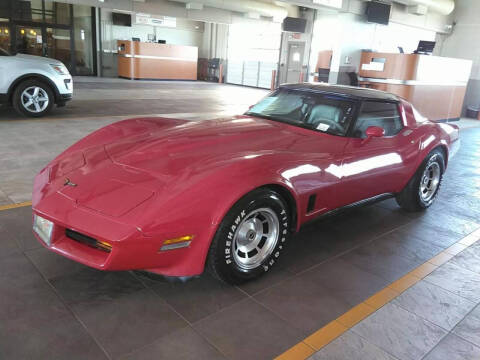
(228, 261)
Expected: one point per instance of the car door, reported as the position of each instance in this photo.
(4, 79)
(376, 165)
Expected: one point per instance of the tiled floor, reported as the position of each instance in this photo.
(53, 308)
(437, 318)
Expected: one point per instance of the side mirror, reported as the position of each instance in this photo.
(374, 131)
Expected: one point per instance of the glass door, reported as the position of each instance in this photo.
(58, 45)
(5, 36)
(53, 29)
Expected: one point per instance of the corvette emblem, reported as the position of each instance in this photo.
(68, 182)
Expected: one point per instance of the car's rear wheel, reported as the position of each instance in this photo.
(422, 189)
(33, 98)
(250, 238)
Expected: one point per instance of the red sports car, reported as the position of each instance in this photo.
(172, 196)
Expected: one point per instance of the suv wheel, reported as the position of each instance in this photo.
(33, 98)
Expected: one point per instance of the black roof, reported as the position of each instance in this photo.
(343, 90)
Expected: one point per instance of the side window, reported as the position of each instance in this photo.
(376, 113)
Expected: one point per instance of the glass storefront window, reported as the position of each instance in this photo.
(29, 40)
(28, 10)
(57, 13)
(58, 46)
(82, 28)
(4, 10)
(5, 36)
(58, 30)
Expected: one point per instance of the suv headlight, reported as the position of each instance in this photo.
(60, 69)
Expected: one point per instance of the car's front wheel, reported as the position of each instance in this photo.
(33, 98)
(423, 188)
(250, 238)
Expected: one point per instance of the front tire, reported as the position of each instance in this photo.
(250, 238)
(33, 98)
(423, 187)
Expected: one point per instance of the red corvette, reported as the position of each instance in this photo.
(173, 196)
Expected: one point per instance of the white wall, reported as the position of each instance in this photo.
(400, 14)
(348, 33)
(464, 42)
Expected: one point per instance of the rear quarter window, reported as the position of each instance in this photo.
(378, 113)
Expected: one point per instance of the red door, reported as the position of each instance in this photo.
(376, 165)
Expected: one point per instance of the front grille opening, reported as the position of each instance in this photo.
(87, 240)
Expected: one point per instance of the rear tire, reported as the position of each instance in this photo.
(33, 98)
(423, 187)
(250, 238)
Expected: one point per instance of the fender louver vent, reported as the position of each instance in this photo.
(311, 203)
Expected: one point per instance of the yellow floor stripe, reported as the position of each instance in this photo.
(381, 298)
(441, 258)
(355, 315)
(325, 335)
(14, 206)
(337, 327)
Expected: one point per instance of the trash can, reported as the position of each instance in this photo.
(472, 112)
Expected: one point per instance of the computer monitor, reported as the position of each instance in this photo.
(425, 47)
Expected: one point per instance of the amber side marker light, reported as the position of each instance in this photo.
(177, 243)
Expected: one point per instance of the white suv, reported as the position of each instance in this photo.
(32, 84)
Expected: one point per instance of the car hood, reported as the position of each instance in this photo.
(188, 146)
(38, 59)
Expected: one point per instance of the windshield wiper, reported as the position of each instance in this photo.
(261, 115)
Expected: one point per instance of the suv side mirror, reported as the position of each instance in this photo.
(374, 131)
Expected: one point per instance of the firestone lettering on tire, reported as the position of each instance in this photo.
(275, 255)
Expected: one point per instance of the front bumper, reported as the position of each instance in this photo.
(65, 97)
(131, 249)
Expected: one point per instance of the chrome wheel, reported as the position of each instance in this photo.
(255, 238)
(430, 181)
(34, 99)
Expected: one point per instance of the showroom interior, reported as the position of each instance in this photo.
(367, 280)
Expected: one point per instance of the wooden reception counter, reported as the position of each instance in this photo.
(435, 85)
(138, 60)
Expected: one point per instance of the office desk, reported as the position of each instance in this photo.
(139, 60)
(435, 85)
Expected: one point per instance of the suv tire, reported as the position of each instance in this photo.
(33, 98)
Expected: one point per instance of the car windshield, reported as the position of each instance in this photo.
(4, 52)
(327, 113)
